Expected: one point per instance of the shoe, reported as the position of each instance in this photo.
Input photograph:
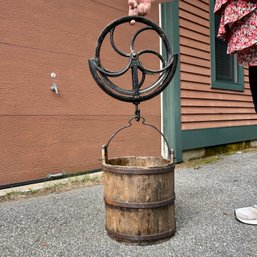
(247, 215)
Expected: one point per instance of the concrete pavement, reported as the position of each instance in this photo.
(72, 223)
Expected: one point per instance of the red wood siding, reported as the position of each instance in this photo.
(41, 132)
(203, 107)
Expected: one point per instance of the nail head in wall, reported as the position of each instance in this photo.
(53, 75)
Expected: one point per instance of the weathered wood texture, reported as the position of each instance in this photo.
(201, 106)
(44, 133)
(129, 217)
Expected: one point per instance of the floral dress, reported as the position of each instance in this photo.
(238, 27)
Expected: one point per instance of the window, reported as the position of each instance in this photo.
(225, 71)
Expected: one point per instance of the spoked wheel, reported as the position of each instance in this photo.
(139, 92)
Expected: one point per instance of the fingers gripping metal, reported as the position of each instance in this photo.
(139, 91)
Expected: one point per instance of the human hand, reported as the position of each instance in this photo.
(139, 7)
(142, 7)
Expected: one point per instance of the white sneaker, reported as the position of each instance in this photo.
(247, 215)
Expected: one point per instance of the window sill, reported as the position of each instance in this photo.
(228, 86)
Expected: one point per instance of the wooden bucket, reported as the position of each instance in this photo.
(139, 199)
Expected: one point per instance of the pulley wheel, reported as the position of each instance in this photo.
(139, 91)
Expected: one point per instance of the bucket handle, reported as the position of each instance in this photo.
(105, 147)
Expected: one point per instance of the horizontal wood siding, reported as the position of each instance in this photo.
(44, 133)
(34, 146)
(201, 106)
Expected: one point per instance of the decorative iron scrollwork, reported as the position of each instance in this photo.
(139, 91)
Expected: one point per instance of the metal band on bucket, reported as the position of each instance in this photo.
(141, 238)
(146, 205)
(138, 171)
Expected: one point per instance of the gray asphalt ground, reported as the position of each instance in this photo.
(72, 223)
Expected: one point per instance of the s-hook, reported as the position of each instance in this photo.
(137, 113)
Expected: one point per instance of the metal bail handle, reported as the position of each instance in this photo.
(105, 147)
(140, 91)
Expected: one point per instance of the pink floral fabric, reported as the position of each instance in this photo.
(238, 26)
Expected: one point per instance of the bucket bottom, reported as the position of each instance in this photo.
(140, 226)
(141, 239)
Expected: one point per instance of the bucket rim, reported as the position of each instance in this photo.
(167, 165)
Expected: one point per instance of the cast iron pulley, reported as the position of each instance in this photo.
(139, 91)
